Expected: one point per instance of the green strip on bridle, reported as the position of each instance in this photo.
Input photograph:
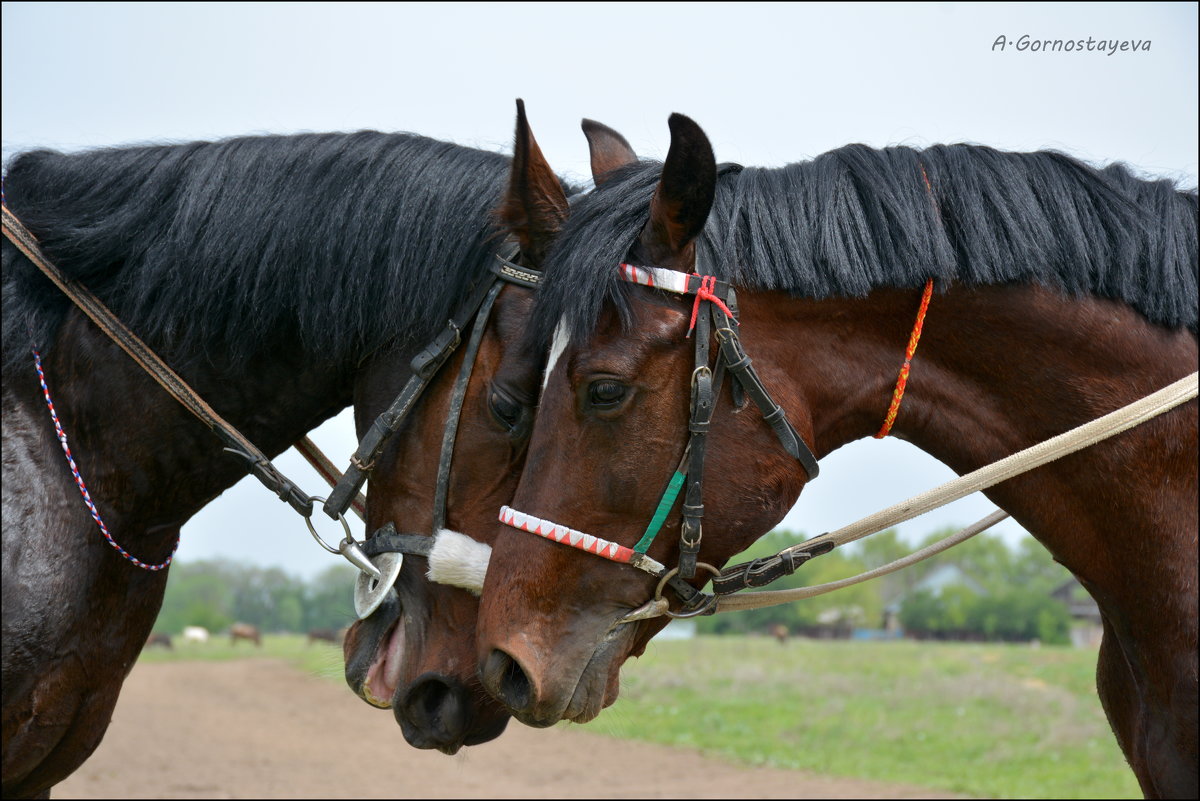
(660, 514)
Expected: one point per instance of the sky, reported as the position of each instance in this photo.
(770, 83)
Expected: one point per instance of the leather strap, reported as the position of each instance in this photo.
(454, 413)
(326, 470)
(702, 404)
(387, 540)
(741, 366)
(424, 367)
(260, 466)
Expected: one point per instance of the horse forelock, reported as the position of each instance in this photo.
(332, 242)
(857, 218)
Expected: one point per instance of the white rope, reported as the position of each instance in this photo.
(758, 600)
(1035, 456)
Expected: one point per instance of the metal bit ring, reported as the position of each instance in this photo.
(312, 530)
(662, 582)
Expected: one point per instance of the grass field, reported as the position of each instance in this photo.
(1000, 721)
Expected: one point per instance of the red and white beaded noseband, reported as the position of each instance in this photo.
(577, 539)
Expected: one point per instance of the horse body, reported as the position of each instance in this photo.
(245, 631)
(71, 601)
(325, 635)
(160, 638)
(196, 634)
(256, 268)
(1004, 362)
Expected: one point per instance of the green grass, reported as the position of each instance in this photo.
(1000, 721)
(320, 658)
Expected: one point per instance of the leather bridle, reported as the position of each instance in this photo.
(714, 313)
(386, 541)
(345, 494)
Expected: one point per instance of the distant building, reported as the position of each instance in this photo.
(937, 580)
(678, 630)
(1086, 628)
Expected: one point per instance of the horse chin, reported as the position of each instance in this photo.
(599, 683)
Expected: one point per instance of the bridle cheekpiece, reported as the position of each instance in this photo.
(713, 312)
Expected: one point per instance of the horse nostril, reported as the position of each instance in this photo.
(433, 713)
(504, 677)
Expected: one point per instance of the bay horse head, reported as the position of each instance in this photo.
(1064, 292)
(416, 653)
(611, 430)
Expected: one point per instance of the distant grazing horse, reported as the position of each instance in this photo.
(780, 633)
(244, 631)
(282, 278)
(1052, 293)
(161, 639)
(195, 634)
(325, 635)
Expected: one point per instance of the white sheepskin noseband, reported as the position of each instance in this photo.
(459, 561)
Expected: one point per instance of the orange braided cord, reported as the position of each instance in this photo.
(902, 380)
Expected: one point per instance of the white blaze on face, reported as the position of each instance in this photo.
(562, 338)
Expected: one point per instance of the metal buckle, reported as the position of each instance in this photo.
(700, 610)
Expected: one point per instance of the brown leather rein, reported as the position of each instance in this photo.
(345, 494)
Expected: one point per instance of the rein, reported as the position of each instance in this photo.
(99, 314)
(373, 584)
(1078, 438)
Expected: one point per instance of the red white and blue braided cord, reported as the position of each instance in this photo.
(87, 498)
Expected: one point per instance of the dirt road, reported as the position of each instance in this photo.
(260, 729)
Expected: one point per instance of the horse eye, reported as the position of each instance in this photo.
(504, 408)
(605, 394)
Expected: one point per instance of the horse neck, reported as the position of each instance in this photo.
(997, 369)
(149, 464)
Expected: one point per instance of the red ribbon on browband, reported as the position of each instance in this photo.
(705, 292)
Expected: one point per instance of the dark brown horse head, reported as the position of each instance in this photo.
(611, 428)
(416, 653)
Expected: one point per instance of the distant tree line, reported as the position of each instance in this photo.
(1005, 593)
(216, 593)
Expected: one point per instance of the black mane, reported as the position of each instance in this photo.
(858, 218)
(333, 243)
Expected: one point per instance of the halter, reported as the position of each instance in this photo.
(714, 311)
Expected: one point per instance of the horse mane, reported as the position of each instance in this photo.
(334, 243)
(857, 218)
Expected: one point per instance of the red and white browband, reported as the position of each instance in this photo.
(577, 539)
(656, 277)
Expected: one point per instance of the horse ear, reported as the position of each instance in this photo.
(609, 150)
(683, 198)
(535, 205)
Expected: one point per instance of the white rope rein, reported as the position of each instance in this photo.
(1035, 456)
